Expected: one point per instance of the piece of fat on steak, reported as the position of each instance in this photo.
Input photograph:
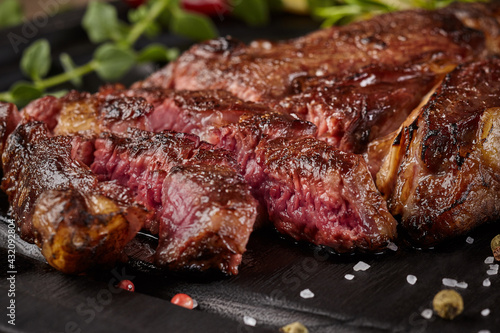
(312, 191)
(204, 209)
(441, 175)
(61, 206)
(265, 70)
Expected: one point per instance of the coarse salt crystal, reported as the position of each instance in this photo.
(249, 321)
(469, 240)
(492, 272)
(450, 282)
(195, 304)
(306, 293)
(494, 267)
(361, 266)
(484, 331)
(427, 313)
(462, 285)
(489, 260)
(486, 283)
(411, 279)
(349, 276)
(393, 247)
(485, 312)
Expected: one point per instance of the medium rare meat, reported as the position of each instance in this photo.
(205, 212)
(60, 205)
(312, 191)
(442, 173)
(204, 209)
(328, 214)
(266, 70)
(9, 118)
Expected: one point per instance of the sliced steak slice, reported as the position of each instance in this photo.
(442, 172)
(60, 205)
(312, 191)
(245, 128)
(205, 211)
(265, 70)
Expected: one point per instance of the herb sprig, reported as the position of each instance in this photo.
(335, 12)
(115, 54)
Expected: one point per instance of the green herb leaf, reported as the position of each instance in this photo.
(157, 52)
(23, 92)
(192, 25)
(113, 61)
(69, 66)
(36, 60)
(11, 13)
(253, 12)
(102, 24)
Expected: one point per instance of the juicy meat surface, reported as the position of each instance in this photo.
(442, 172)
(353, 111)
(266, 70)
(482, 16)
(9, 118)
(204, 209)
(60, 205)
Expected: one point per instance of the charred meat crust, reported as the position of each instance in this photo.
(265, 70)
(443, 181)
(204, 210)
(57, 203)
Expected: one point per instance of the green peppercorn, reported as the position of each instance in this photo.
(294, 328)
(495, 247)
(448, 304)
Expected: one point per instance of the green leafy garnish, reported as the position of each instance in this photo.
(192, 25)
(11, 13)
(35, 62)
(253, 12)
(102, 24)
(112, 61)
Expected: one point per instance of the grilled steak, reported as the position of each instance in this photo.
(442, 173)
(204, 209)
(205, 212)
(482, 16)
(353, 111)
(9, 118)
(265, 70)
(61, 206)
(312, 191)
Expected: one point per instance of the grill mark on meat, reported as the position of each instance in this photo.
(440, 189)
(266, 70)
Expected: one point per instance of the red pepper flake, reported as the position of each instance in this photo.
(126, 285)
(183, 300)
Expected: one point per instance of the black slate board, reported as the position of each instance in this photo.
(274, 270)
